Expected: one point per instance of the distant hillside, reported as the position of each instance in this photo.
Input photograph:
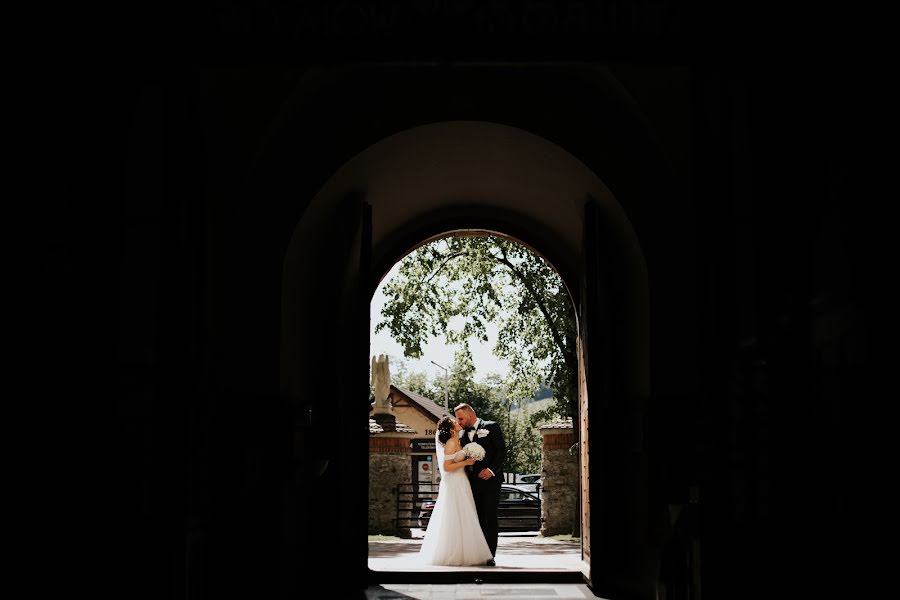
(533, 407)
(543, 392)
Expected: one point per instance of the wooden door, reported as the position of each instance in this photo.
(618, 561)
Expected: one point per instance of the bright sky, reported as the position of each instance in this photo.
(435, 349)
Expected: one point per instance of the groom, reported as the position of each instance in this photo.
(485, 475)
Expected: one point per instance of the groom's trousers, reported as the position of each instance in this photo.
(487, 503)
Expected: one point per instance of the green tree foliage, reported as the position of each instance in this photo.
(491, 400)
(523, 440)
(464, 388)
(414, 381)
(454, 286)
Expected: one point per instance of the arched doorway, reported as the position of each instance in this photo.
(410, 187)
(535, 315)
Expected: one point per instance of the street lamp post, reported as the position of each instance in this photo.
(446, 392)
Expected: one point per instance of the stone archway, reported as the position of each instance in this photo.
(445, 176)
(454, 176)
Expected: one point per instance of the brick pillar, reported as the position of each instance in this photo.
(559, 482)
(389, 464)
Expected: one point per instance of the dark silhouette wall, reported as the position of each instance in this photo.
(760, 307)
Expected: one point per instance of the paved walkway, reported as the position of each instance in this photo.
(515, 552)
(470, 591)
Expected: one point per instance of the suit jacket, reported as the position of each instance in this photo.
(494, 453)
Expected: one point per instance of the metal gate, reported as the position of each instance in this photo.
(518, 510)
(410, 497)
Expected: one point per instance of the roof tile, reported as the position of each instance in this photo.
(558, 424)
(375, 428)
(426, 403)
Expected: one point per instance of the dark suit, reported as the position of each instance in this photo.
(487, 493)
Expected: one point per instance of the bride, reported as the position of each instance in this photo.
(454, 536)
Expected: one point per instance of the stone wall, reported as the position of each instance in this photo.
(389, 464)
(559, 482)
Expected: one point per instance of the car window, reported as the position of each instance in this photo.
(512, 495)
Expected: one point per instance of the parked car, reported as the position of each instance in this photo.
(425, 513)
(519, 510)
(530, 483)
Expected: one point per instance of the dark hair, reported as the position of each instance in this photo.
(445, 428)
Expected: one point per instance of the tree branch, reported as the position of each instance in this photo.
(557, 338)
(442, 265)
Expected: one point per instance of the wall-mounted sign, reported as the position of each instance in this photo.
(422, 445)
(425, 471)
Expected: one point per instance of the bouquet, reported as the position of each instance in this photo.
(474, 450)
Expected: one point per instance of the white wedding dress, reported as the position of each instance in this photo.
(454, 537)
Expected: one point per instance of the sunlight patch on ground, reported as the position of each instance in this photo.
(558, 538)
